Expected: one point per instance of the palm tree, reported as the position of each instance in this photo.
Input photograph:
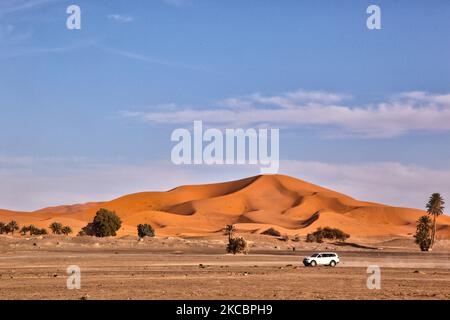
(24, 230)
(229, 230)
(13, 226)
(56, 227)
(66, 230)
(435, 208)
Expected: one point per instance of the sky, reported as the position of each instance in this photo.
(87, 115)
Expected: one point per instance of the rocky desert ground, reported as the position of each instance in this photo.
(198, 268)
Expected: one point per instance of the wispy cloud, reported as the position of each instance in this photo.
(398, 115)
(150, 59)
(11, 6)
(33, 51)
(120, 18)
(178, 3)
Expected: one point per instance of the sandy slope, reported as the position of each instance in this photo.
(254, 204)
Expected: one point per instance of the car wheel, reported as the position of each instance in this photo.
(313, 263)
(332, 263)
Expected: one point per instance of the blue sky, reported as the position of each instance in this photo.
(87, 114)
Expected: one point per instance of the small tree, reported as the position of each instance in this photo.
(423, 233)
(237, 245)
(229, 231)
(24, 230)
(327, 233)
(56, 227)
(66, 230)
(106, 223)
(2, 227)
(145, 230)
(311, 238)
(33, 230)
(13, 226)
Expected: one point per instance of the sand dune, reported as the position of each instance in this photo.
(289, 205)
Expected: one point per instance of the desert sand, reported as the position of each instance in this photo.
(198, 268)
(254, 204)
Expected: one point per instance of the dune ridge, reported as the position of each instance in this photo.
(254, 204)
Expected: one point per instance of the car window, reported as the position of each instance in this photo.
(314, 255)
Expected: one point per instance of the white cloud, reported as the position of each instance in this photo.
(120, 18)
(402, 114)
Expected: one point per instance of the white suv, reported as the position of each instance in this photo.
(322, 258)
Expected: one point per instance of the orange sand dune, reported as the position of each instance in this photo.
(290, 205)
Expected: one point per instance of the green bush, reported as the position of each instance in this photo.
(311, 238)
(106, 223)
(24, 230)
(327, 233)
(66, 230)
(88, 230)
(423, 233)
(33, 230)
(237, 245)
(271, 232)
(145, 230)
(56, 227)
(12, 226)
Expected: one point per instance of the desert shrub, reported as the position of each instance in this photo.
(12, 226)
(56, 228)
(311, 238)
(327, 233)
(33, 230)
(88, 230)
(145, 230)
(237, 245)
(284, 237)
(423, 233)
(106, 223)
(24, 230)
(271, 232)
(2, 227)
(66, 230)
(296, 238)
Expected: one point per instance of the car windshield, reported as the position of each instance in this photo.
(315, 255)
